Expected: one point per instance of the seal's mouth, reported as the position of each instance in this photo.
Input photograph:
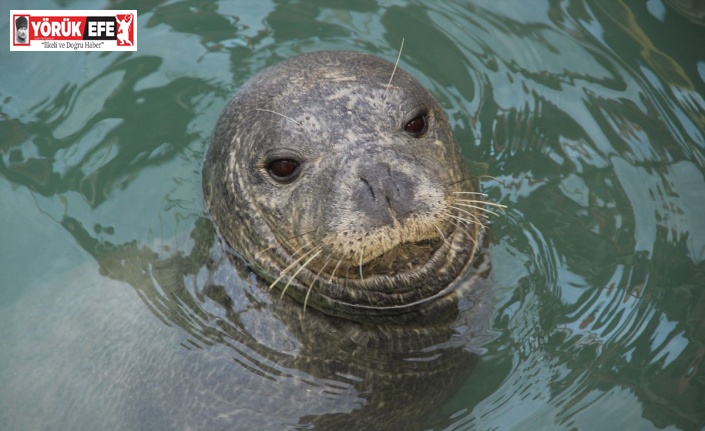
(403, 258)
(403, 278)
(371, 259)
(400, 269)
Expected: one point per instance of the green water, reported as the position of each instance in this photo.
(587, 118)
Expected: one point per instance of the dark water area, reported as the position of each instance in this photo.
(585, 118)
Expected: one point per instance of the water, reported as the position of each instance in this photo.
(587, 119)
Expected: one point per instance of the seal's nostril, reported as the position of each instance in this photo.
(371, 189)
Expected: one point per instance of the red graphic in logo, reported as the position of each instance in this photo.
(126, 29)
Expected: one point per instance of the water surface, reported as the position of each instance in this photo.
(585, 118)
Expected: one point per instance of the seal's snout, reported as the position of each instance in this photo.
(385, 195)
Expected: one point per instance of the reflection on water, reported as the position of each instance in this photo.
(587, 116)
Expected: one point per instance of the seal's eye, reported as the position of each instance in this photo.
(417, 126)
(283, 170)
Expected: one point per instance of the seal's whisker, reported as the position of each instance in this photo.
(482, 202)
(475, 245)
(468, 225)
(293, 277)
(475, 218)
(271, 247)
(302, 234)
(443, 237)
(332, 274)
(478, 205)
(292, 254)
(461, 181)
(278, 113)
(471, 193)
(394, 70)
(474, 242)
(473, 221)
(264, 250)
(362, 255)
(310, 288)
(488, 176)
(479, 208)
(293, 264)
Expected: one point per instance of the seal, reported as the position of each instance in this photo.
(335, 175)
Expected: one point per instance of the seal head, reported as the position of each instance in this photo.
(336, 176)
